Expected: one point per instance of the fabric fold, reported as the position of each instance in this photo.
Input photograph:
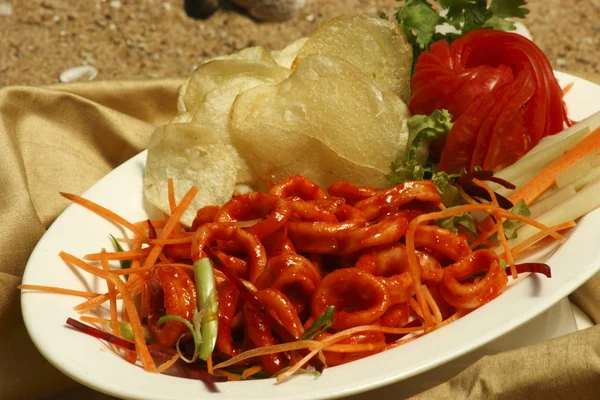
(66, 137)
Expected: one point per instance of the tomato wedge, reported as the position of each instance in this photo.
(501, 91)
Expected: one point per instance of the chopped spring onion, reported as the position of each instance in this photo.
(207, 300)
(320, 325)
(124, 263)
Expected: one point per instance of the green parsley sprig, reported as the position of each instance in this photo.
(419, 19)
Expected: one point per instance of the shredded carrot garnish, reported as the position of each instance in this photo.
(167, 364)
(527, 243)
(251, 371)
(432, 304)
(156, 223)
(58, 290)
(136, 325)
(171, 224)
(500, 228)
(130, 271)
(276, 348)
(547, 176)
(104, 212)
(119, 255)
(92, 320)
(568, 88)
(355, 348)
(415, 306)
(230, 376)
(209, 364)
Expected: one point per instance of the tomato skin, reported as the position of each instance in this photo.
(501, 91)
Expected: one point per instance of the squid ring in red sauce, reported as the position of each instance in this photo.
(206, 234)
(169, 292)
(441, 240)
(393, 260)
(205, 215)
(228, 302)
(298, 186)
(259, 330)
(376, 339)
(294, 276)
(398, 196)
(476, 294)
(351, 193)
(251, 206)
(388, 230)
(359, 298)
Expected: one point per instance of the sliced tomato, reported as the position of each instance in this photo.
(502, 76)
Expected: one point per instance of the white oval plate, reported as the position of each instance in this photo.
(87, 360)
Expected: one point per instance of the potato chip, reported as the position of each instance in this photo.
(375, 46)
(191, 156)
(215, 73)
(327, 121)
(286, 56)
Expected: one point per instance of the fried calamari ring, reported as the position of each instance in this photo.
(228, 302)
(294, 276)
(388, 230)
(169, 292)
(473, 295)
(207, 234)
(259, 331)
(398, 196)
(393, 260)
(322, 237)
(376, 339)
(298, 186)
(273, 211)
(352, 194)
(441, 240)
(205, 215)
(359, 297)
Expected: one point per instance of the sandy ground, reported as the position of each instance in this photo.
(155, 38)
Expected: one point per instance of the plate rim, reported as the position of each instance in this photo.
(565, 289)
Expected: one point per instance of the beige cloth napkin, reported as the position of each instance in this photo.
(66, 137)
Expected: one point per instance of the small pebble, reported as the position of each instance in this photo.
(115, 4)
(84, 72)
(166, 6)
(310, 17)
(561, 62)
(6, 9)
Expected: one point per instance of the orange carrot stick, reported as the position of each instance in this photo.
(171, 224)
(547, 176)
(134, 319)
(251, 371)
(104, 212)
(167, 364)
(118, 255)
(58, 290)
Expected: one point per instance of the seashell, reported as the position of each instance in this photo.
(6, 9)
(84, 72)
(271, 10)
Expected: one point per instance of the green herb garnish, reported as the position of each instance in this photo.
(419, 20)
(320, 325)
(204, 325)
(124, 263)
